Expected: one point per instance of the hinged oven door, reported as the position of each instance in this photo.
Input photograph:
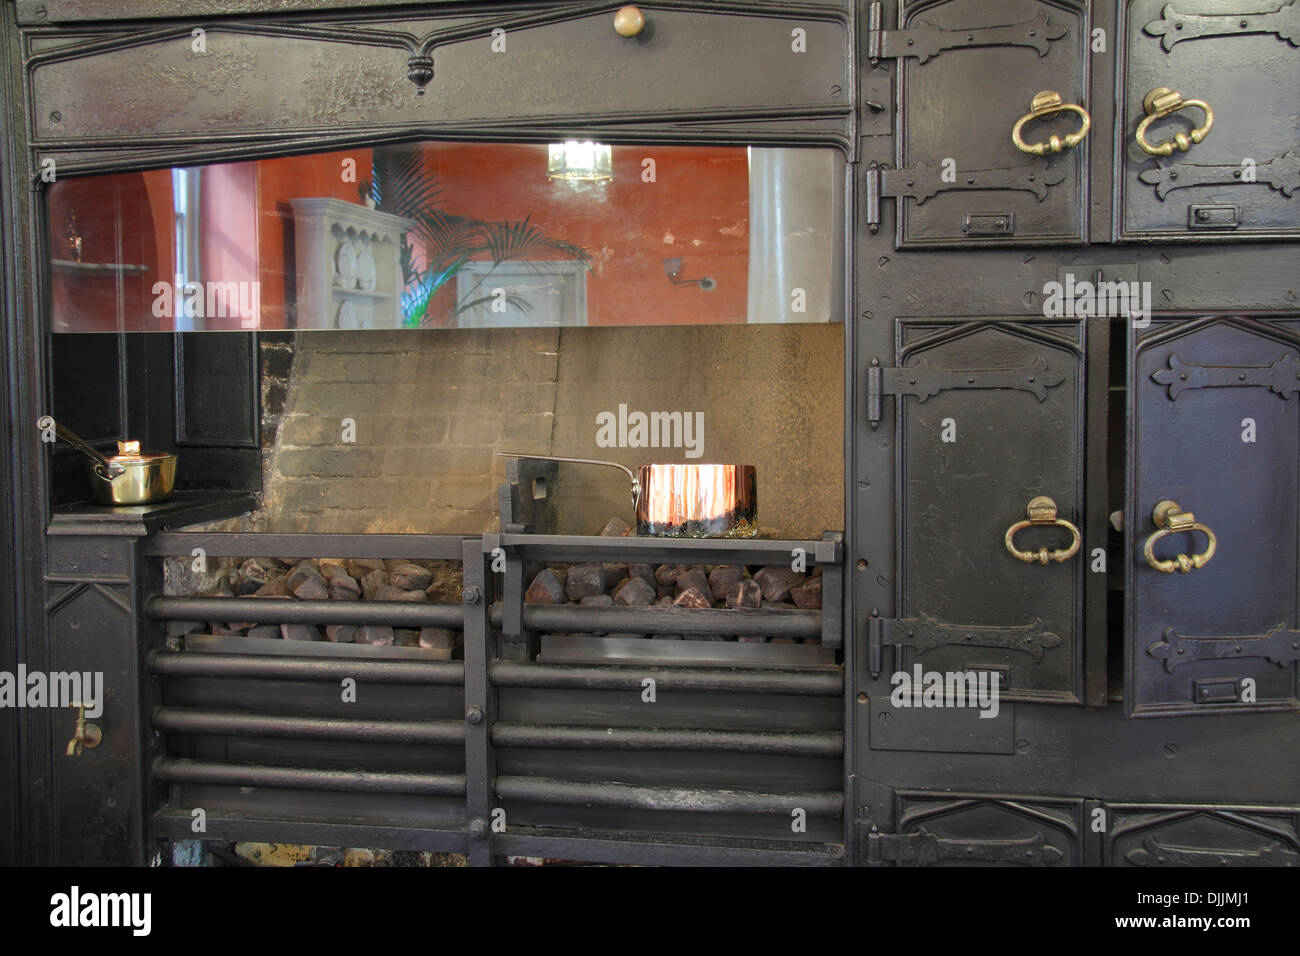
(994, 549)
(1236, 172)
(1210, 522)
(967, 71)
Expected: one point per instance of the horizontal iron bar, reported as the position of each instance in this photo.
(558, 547)
(428, 547)
(600, 794)
(194, 721)
(411, 614)
(654, 850)
(828, 682)
(227, 825)
(183, 770)
(654, 738)
(776, 622)
(244, 666)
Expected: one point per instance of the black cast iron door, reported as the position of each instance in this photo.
(967, 72)
(990, 501)
(1211, 515)
(1224, 75)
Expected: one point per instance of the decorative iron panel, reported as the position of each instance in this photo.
(960, 178)
(970, 459)
(965, 829)
(1242, 179)
(1173, 835)
(1212, 586)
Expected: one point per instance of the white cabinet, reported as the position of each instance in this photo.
(348, 263)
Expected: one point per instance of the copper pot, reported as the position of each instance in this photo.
(127, 478)
(687, 501)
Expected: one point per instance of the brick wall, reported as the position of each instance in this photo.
(426, 412)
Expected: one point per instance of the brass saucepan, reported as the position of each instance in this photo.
(127, 478)
(686, 501)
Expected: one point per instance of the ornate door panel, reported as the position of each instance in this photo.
(958, 829)
(1156, 835)
(967, 71)
(1211, 527)
(1237, 177)
(990, 457)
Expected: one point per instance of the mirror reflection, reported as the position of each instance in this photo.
(453, 235)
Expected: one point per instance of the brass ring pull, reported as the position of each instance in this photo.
(1046, 104)
(1171, 519)
(1161, 102)
(1042, 511)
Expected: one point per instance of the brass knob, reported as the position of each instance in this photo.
(1161, 102)
(1046, 104)
(1042, 511)
(86, 734)
(629, 22)
(1169, 518)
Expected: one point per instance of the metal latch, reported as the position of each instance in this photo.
(924, 633)
(925, 42)
(923, 848)
(924, 381)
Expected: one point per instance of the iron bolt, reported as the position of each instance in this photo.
(474, 715)
(471, 595)
(477, 829)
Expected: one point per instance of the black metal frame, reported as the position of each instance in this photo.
(1202, 768)
(483, 678)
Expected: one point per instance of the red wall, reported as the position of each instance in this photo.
(123, 218)
(696, 208)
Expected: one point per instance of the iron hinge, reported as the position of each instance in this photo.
(923, 848)
(924, 633)
(923, 381)
(922, 182)
(925, 42)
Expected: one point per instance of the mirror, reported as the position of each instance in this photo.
(454, 235)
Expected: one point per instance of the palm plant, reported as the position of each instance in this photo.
(400, 184)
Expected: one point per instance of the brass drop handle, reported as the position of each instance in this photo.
(1047, 104)
(87, 734)
(1042, 511)
(1171, 519)
(1161, 102)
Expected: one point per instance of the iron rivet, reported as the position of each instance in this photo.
(477, 829)
(474, 715)
(470, 595)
